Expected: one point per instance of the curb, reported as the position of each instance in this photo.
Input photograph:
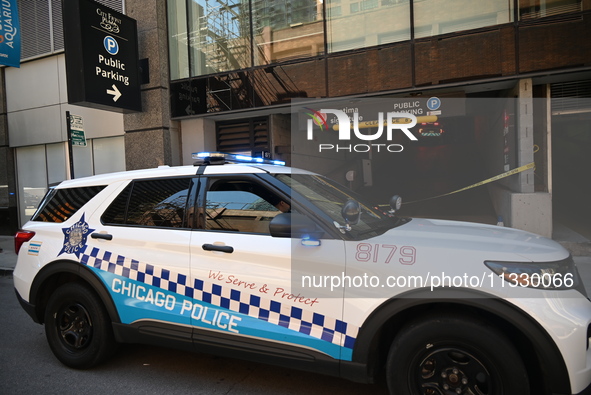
(5, 272)
(577, 249)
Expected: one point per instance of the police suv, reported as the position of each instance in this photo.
(264, 262)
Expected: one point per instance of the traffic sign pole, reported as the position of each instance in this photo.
(70, 151)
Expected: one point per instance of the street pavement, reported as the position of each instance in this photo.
(7, 255)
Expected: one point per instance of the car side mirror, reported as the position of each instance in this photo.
(351, 212)
(294, 225)
(395, 204)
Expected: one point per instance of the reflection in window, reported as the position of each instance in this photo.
(434, 17)
(160, 203)
(219, 36)
(31, 172)
(60, 204)
(177, 39)
(287, 29)
(239, 206)
(353, 24)
(533, 9)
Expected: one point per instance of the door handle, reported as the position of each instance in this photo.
(104, 236)
(213, 247)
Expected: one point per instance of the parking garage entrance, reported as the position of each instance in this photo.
(463, 141)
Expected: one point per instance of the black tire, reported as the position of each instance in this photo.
(78, 327)
(453, 354)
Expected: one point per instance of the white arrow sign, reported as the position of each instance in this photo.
(115, 92)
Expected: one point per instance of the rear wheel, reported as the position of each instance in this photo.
(78, 327)
(451, 354)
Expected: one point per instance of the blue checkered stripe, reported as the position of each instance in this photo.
(304, 321)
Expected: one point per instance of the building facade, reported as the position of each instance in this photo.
(223, 73)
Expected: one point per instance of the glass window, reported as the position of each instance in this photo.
(330, 198)
(533, 9)
(32, 179)
(60, 204)
(115, 213)
(108, 154)
(219, 36)
(366, 23)
(83, 160)
(178, 43)
(57, 162)
(241, 206)
(158, 203)
(287, 29)
(434, 17)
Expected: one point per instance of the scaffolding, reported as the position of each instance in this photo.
(221, 42)
(222, 35)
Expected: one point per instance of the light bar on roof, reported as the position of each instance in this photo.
(235, 158)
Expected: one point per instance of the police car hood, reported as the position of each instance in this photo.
(490, 241)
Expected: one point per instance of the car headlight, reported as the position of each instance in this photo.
(559, 275)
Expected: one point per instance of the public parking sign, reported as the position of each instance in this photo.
(102, 66)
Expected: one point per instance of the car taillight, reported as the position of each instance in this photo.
(22, 236)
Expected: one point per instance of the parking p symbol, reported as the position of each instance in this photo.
(433, 103)
(111, 45)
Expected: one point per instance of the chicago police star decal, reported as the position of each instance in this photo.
(75, 237)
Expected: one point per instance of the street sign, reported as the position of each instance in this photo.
(102, 66)
(77, 129)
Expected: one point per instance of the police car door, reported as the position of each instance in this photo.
(141, 250)
(243, 292)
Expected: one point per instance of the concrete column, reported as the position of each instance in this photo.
(8, 205)
(525, 134)
(197, 135)
(521, 206)
(151, 138)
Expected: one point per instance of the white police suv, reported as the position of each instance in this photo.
(263, 262)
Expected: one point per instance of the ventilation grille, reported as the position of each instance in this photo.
(41, 26)
(247, 137)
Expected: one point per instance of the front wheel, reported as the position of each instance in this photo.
(77, 327)
(451, 354)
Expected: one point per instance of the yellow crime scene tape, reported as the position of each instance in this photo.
(397, 121)
(488, 180)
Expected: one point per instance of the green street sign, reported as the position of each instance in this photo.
(77, 128)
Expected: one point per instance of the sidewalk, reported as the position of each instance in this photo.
(7, 255)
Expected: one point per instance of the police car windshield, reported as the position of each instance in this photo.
(330, 197)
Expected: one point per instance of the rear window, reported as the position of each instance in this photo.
(60, 204)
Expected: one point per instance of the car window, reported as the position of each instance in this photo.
(60, 204)
(329, 197)
(153, 203)
(241, 206)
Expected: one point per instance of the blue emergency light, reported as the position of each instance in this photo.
(222, 157)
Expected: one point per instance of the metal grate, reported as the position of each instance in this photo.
(42, 26)
(35, 28)
(248, 137)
